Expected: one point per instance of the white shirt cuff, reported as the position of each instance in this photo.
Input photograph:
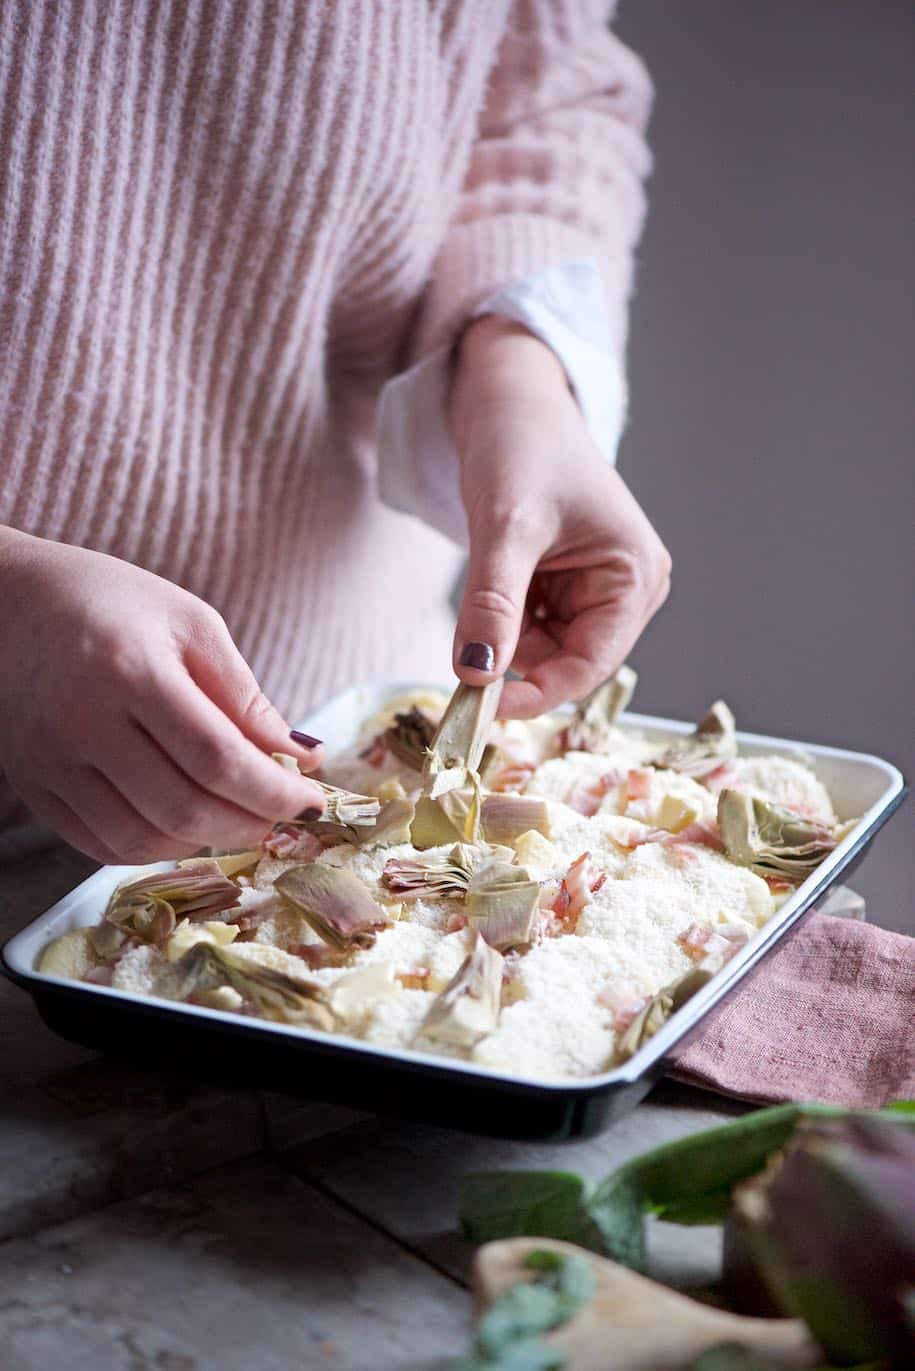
(566, 308)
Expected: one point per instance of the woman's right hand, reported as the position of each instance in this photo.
(129, 720)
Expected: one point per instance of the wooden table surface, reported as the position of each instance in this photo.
(150, 1221)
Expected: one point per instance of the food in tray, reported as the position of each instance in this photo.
(535, 897)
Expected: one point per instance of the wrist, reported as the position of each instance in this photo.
(498, 360)
(498, 352)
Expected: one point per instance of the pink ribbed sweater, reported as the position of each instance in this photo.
(224, 226)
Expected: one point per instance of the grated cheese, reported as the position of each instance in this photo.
(136, 970)
(785, 782)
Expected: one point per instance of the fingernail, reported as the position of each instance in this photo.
(309, 815)
(304, 739)
(480, 656)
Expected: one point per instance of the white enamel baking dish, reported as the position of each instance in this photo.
(460, 1094)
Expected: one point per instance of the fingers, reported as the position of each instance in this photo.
(502, 560)
(210, 749)
(102, 808)
(54, 810)
(221, 672)
(604, 610)
(165, 797)
(535, 644)
(563, 675)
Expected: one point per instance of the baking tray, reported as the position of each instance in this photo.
(240, 1051)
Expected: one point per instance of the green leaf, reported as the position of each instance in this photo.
(529, 1355)
(570, 1276)
(507, 1335)
(617, 1211)
(708, 1208)
(522, 1312)
(575, 1283)
(693, 1176)
(527, 1204)
(544, 1261)
(688, 1181)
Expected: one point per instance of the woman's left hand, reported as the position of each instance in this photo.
(565, 570)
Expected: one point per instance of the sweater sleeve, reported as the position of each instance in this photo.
(556, 172)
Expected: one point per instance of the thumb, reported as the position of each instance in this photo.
(499, 573)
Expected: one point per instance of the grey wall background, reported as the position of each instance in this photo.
(770, 367)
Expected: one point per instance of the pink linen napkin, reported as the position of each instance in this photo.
(830, 1016)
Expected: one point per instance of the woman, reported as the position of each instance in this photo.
(287, 292)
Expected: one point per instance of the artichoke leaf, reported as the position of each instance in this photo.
(495, 870)
(450, 775)
(770, 839)
(658, 1010)
(596, 715)
(464, 807)
(344, 810)
(436, 874)
(150, 908)
(431, 826)
(450, 816)
(392, 826)
(503, 818)
(712, 742)
(463, 733)
(275, 995)
(468, 1008)
(346, 807)
(409, 737)
(334, 902)
(444, 874)
(504, 914)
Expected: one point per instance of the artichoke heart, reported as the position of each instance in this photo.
(275, 995)
(659, 1009)
(503, 818)
(345, 811)
(335, 903)
(451, 815)
(449, 808)
(150, 908)
(233, 863)
(409, 737)
(438, 875)
(712, 742)
(462, 735)
(392, 826)
(771, 840)
(830, 1227)
(441, 875)
(596, 715)
(494, 868)
(348, 817)
(503, 910)
(468, 1008)
(346, 808)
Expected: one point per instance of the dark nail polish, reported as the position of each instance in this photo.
(309, 815)
(478, 655)
(304, 739)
